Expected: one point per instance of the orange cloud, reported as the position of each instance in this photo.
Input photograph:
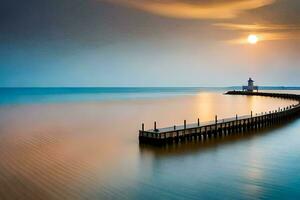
(264, 32)
(188, 9)
(258, 27)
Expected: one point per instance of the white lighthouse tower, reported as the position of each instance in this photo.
(250, 87)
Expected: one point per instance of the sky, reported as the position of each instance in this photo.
(53, 43)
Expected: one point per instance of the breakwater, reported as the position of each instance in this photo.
(223, 127)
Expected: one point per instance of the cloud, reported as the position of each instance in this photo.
(264, 32)
(218, 10)
(258, 27)
(188, 9)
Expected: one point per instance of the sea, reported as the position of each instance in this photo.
(82, 143)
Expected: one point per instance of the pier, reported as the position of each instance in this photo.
(223, 127)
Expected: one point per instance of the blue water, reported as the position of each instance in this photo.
(76, 94)
(30, 95)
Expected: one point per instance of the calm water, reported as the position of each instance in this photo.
(84, 145)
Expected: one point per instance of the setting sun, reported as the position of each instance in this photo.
(252, 39)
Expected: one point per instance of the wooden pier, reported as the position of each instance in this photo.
(223, 127)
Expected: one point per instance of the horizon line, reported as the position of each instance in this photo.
(234, 86)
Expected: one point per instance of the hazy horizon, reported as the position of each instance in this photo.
(212, 87)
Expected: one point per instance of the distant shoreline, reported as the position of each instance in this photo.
(274, 87)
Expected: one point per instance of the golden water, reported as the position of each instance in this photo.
(90, 150)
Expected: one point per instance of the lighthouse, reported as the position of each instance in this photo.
(250, 87)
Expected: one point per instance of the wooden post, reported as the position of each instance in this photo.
(143, 126)
(236, 117)
(198, 122)
(184, 124)
(251, 113)
(155, 126)
(216, 125)
(174, 127)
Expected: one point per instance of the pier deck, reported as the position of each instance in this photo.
(218, 127)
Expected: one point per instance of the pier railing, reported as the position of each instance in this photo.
(219, 127)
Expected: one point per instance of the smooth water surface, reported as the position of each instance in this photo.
(89, 150)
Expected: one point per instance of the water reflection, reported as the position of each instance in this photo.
(91, 151)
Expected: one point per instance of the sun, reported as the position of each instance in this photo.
(252, 39)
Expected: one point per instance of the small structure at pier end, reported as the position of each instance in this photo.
(250, 87)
